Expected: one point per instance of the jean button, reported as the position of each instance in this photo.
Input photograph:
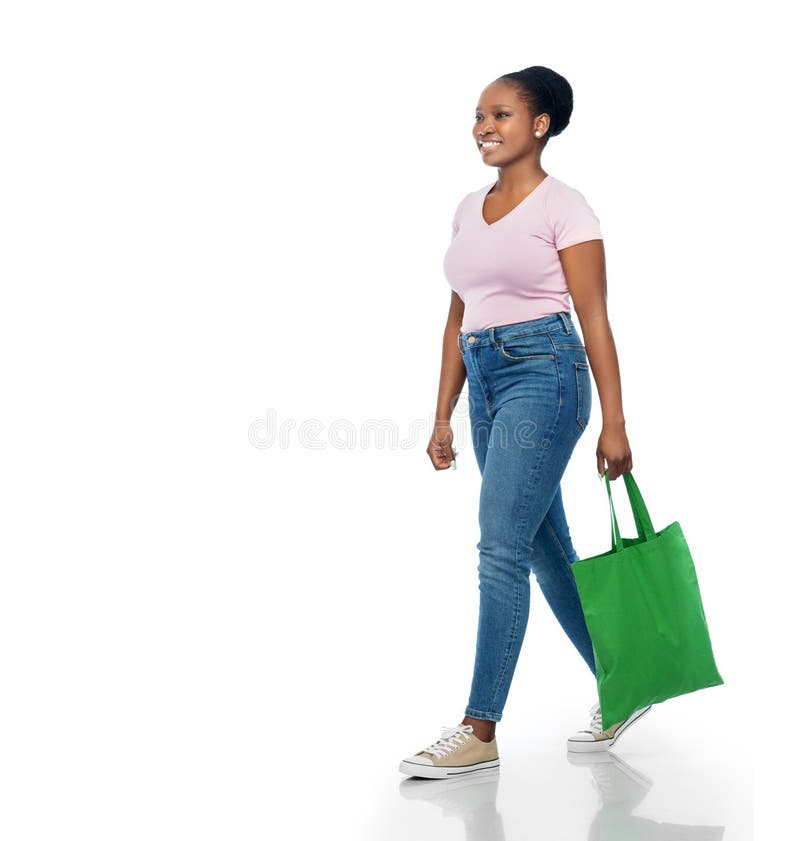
(471, 340)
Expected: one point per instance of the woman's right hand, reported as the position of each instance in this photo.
(440, 447)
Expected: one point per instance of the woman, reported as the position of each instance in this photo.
(521, 248)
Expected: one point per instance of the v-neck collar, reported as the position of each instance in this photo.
(506, 215)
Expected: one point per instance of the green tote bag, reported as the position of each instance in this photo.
(645, 617)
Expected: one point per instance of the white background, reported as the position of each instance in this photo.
(224, 218)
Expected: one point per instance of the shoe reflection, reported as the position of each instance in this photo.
(473, 799)
(621, 788)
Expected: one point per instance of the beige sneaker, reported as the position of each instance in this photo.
(457, 752)
(595, 738)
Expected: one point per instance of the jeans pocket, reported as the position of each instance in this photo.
(583, 382)
(535, 346)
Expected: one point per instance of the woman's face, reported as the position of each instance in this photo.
(503, 117)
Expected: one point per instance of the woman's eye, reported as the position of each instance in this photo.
(501, 114)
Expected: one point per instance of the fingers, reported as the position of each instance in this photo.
(601, 465)
(445, 459)
(443, 456)
(616, 467)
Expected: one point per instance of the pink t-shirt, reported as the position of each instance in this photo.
(510, 271)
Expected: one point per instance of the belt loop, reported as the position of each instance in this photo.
(460, 343)
(565, 320)
(491, 337)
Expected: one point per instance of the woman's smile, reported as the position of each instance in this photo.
(488, 145)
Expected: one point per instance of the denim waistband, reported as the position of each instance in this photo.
(491, 335)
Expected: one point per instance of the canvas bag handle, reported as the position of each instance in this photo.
(644, 526)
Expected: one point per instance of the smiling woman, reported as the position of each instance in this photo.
(523, 249)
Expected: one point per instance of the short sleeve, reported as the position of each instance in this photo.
(571, 218)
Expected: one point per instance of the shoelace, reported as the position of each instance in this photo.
(597, 721)
(452, 738)
(596, 724)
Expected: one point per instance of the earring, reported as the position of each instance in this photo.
(538, 134)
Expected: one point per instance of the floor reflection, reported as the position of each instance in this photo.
(621, 789)
(473, 799)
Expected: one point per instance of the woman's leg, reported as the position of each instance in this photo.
(553, 554)
(518, 487)
(529, 392)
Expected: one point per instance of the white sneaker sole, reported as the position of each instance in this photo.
(433, 772)
(582, 746)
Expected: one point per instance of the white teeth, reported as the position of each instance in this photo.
(490, 142)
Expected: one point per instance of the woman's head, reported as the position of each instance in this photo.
(522, 110)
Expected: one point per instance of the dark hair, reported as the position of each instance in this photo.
(544, 92)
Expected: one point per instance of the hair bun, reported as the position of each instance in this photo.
(545, 92)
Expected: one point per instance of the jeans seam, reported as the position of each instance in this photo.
(568, 564)
(513, 636)
(510, 648)
(554, 533)
(480, 375)
(523, 358)
(479, 713)
(579, 395)
(558, 374)
(524, 335)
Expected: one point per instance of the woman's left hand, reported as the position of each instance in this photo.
(613, 448)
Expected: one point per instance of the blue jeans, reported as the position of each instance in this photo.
(529, 403)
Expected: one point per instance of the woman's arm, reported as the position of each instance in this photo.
(451, 380)
(584, 267)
